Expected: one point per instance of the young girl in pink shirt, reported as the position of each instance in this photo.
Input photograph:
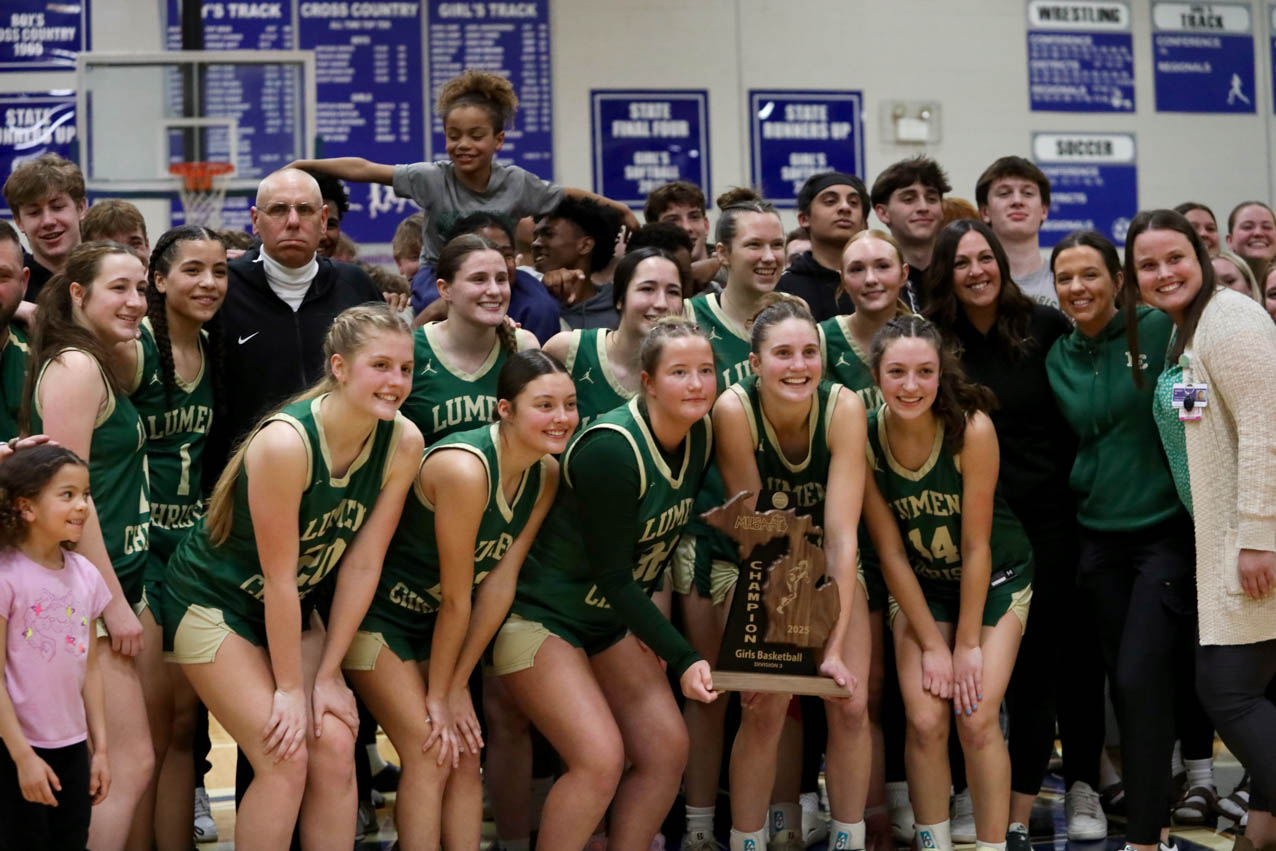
(51, 706)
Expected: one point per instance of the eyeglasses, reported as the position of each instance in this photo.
(280, 210)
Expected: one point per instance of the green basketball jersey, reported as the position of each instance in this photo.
(410, 577)
(787, 484)
(730, 342)
(557, 579)
(13, 372)
(845, 362)
(118, 479)
(229, 575)
(445, 398)
(597, 389)
(927, 507)
(176, 432)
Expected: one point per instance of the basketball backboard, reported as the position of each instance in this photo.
(142, 112)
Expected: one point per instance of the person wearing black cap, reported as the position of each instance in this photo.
(832, 206)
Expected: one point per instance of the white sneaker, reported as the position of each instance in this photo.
(962, 818)
(205, 827)
(1086, 819)
(815, 824)
(698, 841)
(900, 809)
(786, 840)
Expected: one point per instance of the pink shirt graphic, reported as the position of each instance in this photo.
(50, 616)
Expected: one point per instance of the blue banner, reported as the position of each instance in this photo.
(510, 39)
(1203, 57)
(369, 75)
(1093, 183)
(643, 138)
(38, 35)
(1080, 56)
(1271, 28)
(34, 124)
(795, 134)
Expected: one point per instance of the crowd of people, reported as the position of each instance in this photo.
(242, 476)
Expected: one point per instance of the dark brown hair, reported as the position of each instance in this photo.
(958, 397)
(490, 92)
(23, 476)
(162, 259)
(453, 255)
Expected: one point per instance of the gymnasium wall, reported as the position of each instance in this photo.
(969, 56)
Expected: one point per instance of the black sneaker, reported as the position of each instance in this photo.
(1017, 838)
(1113, 798)
(387, 779)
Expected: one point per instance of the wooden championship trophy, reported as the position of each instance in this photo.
(784, 606)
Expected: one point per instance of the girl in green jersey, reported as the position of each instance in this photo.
(958, 567)
(595, 689)
(457, 360)
(446, 586)
(187, 284)
(329, 471)
(604, 364)
(786, 437)
(750, 245)
(83, 363)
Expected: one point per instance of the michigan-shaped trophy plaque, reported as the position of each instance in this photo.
(784, 607)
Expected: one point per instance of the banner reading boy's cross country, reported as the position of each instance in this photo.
(795, 134)
(37, 35)
(1093, 183)
(643, 138)
(1080, 56)
(1203, 57)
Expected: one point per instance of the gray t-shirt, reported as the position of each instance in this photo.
(1039, 286)
(512, 192)
(597, 311)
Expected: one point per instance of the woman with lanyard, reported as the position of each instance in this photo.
(445, 588)
(579, 650)
(958, 566)
(750, 246)
(187, 279)
(457, 360)
(789, 438)
(1004, 336)
(1213, 409)
(83, 363)
(305, 508)
(874, 273)
(604, 364)
(1136, 545)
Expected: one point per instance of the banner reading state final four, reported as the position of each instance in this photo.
(643, 138)
(795, 134)
(1093, 183)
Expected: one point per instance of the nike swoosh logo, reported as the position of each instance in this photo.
(243, 340)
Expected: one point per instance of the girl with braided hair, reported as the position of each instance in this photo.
(180, 362)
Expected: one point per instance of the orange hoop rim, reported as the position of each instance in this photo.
(198, 176)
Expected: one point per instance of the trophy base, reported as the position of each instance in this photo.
(779, 683)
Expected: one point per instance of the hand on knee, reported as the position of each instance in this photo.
(331, 754)
(979, 730)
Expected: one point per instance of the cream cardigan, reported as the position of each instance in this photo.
(1231, 459)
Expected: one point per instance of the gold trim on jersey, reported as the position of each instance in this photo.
(713, 301)
(844, 325)
(107, 407)
(393, 448)
(437, 350)
(573, 348)
(605, 363)
(326, 454)
(289, 419)
(187, 387)
(899, 469)
(506, 507)
(769, 431)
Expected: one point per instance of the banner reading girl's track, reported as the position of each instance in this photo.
(643, 138)
(1203, 57)
(795, 134)
(1093, 183)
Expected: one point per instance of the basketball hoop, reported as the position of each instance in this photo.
(202, 190)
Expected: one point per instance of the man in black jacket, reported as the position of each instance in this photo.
(833, 207)
(281, 299)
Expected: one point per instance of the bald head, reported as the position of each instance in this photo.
(289, 216)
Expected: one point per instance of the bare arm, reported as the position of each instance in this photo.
(276, 468)
(627, 215)
(496, 593)
(94, 695)
(559, 345)
(355, 169)
(71, 393)
(980, 461)
(733, 448)
(843, 496)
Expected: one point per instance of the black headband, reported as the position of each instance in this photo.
(833, 178)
